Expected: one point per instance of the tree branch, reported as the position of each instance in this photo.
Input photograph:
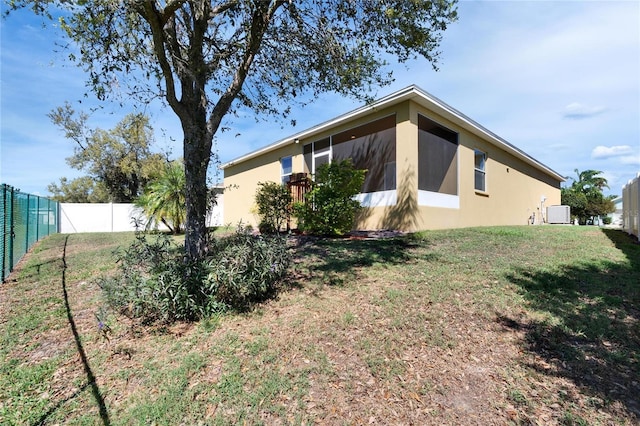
(259, 25)
(156, 20)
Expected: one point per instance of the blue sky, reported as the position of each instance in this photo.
(560, 80)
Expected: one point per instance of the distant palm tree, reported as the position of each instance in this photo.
(589, 182)
(163, 199)
(585, 196)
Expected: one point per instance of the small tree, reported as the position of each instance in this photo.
(585, 196)
(274, 206)
(164, 198)
(329, 208)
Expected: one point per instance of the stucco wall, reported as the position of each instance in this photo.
(514, 189)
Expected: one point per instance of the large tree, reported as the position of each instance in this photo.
(119, 161)
(207, 58)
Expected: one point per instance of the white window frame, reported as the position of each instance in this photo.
(482, 171)
(286, 177)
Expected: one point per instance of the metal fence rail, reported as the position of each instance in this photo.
(25, 219)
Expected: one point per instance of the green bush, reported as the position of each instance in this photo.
(245, 269)
(155, 284)
(150, 283)
(329, 208)
(274, 206)
(606, 220)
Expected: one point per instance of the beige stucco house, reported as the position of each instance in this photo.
(429, 167)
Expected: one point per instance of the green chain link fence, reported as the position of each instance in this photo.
(25, 219)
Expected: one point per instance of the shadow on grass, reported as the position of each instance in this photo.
(335, 260)
(91, 379)
(595, 339)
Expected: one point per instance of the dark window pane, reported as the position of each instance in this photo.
(479, 180)
(437, 158)
(366, 129)
(308, 158)
(321, 145)
(371, 152)
(286, 165)
(480, 160)
(435, 129)
(322, 159)
(390, 176)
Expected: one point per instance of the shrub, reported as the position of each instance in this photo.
(155, 284)
(606, 220)
(245, 269)
(274, 206)
(151, 282)
(329, 208)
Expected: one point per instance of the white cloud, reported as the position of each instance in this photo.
(578, 111)
(633, 160)
(611, 151)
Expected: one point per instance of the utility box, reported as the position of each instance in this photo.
(558, 214)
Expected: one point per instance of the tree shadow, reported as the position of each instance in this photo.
(404, 214)
(91, 379)
(592, 335)
(335, 260)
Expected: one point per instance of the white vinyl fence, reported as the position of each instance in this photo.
(631, 206)
(112, 217)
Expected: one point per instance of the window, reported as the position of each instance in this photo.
(286, 169)
(437, 158)
(480, 170)
(371, 146)
(316, 154)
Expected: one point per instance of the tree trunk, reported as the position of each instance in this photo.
(197, 149)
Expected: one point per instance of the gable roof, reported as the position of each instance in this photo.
(422, 98)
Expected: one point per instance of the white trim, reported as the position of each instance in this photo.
(436, 199)
(483, 170)
(378, 199)
(282, 173)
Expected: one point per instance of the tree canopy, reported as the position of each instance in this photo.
(84, 189)
(585, 196)
(119, 162)
(208, 58)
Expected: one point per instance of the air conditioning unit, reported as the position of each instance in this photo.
(558, 214)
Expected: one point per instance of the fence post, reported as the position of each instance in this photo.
(38, 219)
(12, 232)
(4, 227)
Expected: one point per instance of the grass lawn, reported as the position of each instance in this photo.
(504, 325)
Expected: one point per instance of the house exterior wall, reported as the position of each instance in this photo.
(241, 183)
(515, 190)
